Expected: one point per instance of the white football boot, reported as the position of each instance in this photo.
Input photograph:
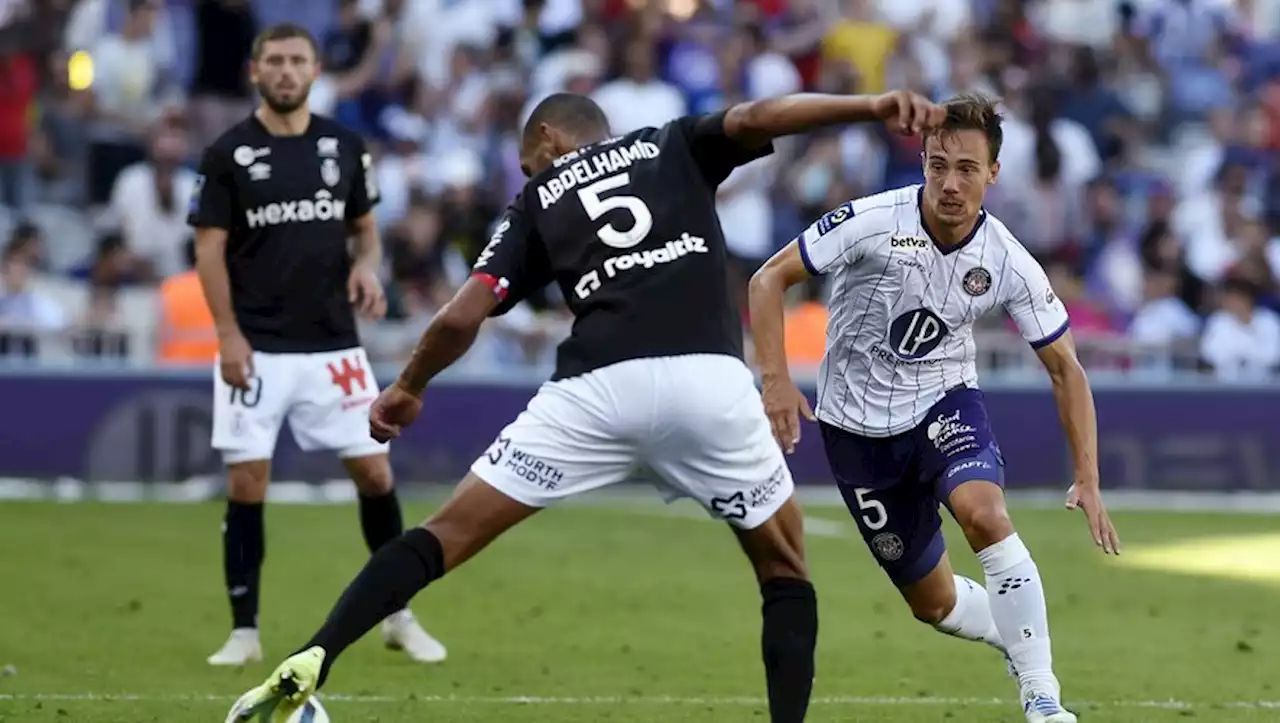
(1041, 707)
(243, 647)
(402, 631)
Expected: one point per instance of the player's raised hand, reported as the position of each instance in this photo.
(364, 291)
(908, 113)
(1087, 496)
(235, 358)
(784, 404)
(392, 411)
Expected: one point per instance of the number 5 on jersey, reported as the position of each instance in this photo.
(596, 206)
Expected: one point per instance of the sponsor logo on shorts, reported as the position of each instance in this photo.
(762, 494)
(502, 453)
(968, 464)
(951, 435)
(733, 507)
(888, 546)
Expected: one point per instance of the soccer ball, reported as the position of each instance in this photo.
(310, 712)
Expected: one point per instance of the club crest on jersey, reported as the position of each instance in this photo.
(244, 156)
(330, 172)
(977, 281)
(835, 217)
(1049, 297)
(327, 147)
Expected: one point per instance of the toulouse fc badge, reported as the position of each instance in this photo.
(977, 281)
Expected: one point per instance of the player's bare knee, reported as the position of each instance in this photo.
(934, 608)
(985, 525)
(248, 481)
(372, 475)
(776, 548)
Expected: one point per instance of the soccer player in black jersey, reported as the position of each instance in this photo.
(279, 197)
(652, 373)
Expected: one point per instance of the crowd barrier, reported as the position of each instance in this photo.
(153, 426)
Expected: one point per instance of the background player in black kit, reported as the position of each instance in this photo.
(652, 373)
(277, 201)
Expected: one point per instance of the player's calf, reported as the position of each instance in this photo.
(243, 552)
(1013, 586)
(473, 517)
(789, 609)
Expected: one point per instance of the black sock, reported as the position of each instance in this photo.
(393, 575)
(243, 548)
(790, 634)
(380, 519)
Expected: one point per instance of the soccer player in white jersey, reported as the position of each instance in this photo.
(901, 416)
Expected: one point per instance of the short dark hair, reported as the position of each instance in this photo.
(975, 112)
(284, 31)
(570, 112)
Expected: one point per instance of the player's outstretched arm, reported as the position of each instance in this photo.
(450, 334)
(1080, 421)
(760, 121)
(783, 401)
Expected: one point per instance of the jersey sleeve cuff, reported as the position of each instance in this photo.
(804, 258)
(1052, 337)
(499, 287)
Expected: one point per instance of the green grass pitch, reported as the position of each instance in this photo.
(602, 613)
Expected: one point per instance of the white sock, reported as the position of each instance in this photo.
(1017, 606)
(971, 618)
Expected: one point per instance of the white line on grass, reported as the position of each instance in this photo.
(837, 700)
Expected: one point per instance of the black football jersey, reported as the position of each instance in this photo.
(627, 228)
(286, 203)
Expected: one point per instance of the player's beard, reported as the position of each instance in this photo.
(280, 105)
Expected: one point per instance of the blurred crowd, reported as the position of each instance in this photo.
(1140, 161)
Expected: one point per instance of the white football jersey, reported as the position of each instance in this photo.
(902, 307)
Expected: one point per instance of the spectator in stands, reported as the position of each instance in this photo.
(99, 333)
(1113, 260)
(150, 200)
(1206, 223)
(24, 310)
(352, 56)
(1241, 340)
(114, 264)
(419, 281)
(798, 32)
(126, 83)
(220, 92)
(806, 328)
(186, 334)
(61, 144)
(1089, 318)
(638, 98)
(26, 245)
(862, 42)
(1096, 107)
(468, 213)
(1164, 319)
(18, 76)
